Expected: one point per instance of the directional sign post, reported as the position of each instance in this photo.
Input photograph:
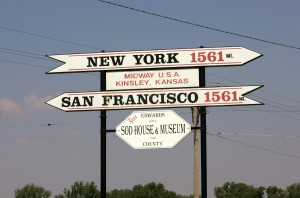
(151, 132)
(160, 98)
(153, 129)
(208, 57)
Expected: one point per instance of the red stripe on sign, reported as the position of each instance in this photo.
(120, 107)
(139, 67)
(151, 91)
(155, 51)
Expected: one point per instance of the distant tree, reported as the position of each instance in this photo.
(139, 191)
(293, 190)
(32, 191)
(275, 192)
(238, 190)
(150, 190)
(81, 190)
(154, 190)
(119, 194)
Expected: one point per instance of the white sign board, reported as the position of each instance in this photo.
(157, 98)
(151, 79)
(153, 129)
(196, 57)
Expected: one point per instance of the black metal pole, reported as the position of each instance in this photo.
(203, 140)
(103, 139)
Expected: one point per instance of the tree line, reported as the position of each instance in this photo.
(82, 189)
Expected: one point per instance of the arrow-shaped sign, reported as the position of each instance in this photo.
(160, 98)
(209, 57)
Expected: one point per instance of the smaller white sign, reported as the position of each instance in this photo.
(149, 79)
(153, 129)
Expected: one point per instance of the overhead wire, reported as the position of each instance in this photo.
(290, 108)
(20, 51)
(212, 134)
(198, 25)
(229, 80)
(217, 134)
(255, 134)
(49, 124)
(281, 106)
(97, 122)
(39, 66)
(49, 137)
(153, 14)
(27, 64)
(253, 146)
(48, 37)
(28, 56)
(157, 15)
(245, 110)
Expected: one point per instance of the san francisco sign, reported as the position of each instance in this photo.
(153, 129)
(208, 57)
(159, 98)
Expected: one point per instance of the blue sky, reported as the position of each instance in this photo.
(68, 150)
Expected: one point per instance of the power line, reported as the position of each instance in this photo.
(20, 51)
(283, 97)
(48, 37)
(37, 66)
(275, 113)
(49, 124)
(253, 146)
(258, 110)
(256, 134)
(153, 14)
(93, 137)
(291, 109)
(27, 64)
(28, 56)
(199, 25)
(50, 137)
(229, 80)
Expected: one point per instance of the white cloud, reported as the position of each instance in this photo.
(33, 103)
(10, 107)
